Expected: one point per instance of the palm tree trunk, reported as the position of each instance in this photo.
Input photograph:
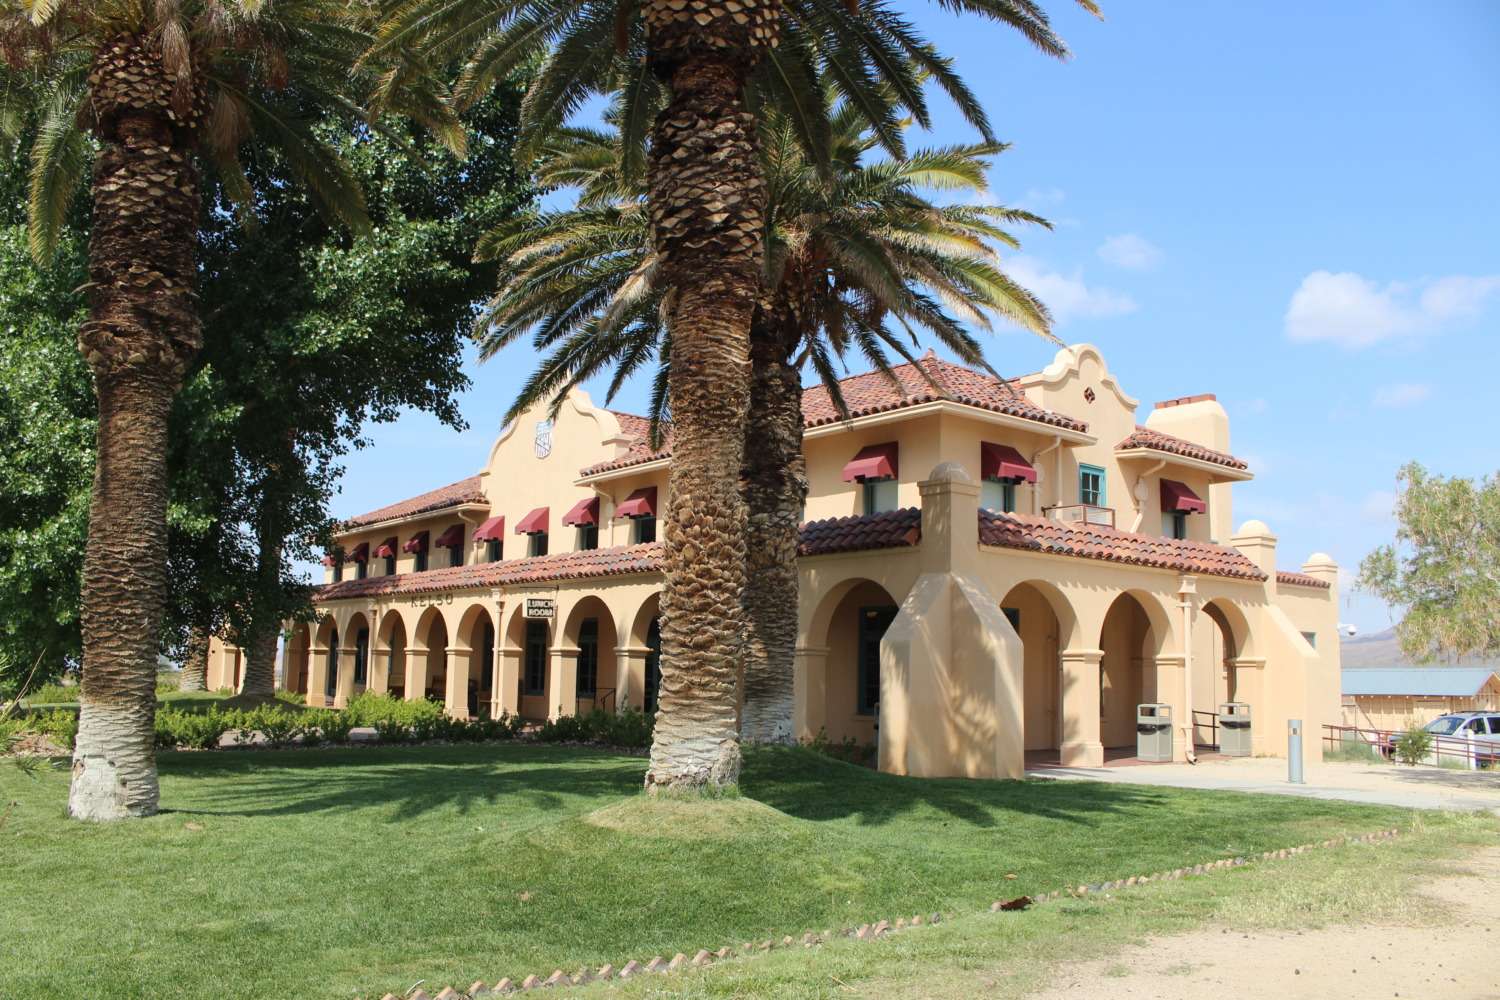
(140, 334)
(775, 490)
(195, 660)
(706, 200)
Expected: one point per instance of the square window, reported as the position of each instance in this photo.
(880, 495)
(419, 561)
(360, 570)
(644, 530)
(390, 565)
(455, 555)
(588, 537)
(495, 550)
(1173, 524)
(537, 545)
(998, 495)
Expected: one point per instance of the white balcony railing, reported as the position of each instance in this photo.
(1087, 513)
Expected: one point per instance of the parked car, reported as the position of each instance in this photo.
(1453, 731)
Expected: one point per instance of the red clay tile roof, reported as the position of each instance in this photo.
(1145, 437)
(870, 393)
(891, 529)
(461, 492)
(1095, 541)
(873, 392)
(1300, 579)
(887, 530)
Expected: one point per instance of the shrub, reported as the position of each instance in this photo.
(199, 730)
(227, 692)
(59, 725)
(1412, 745)
(51, 694)
(425, 717)
(563, 729)
(848, 749)
(276, 725)
(292, 697)
(313, 722)
(366, 708)
(337, 726)
(392, 730)
(166, 685)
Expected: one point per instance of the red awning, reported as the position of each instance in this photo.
(491, 531)
(534, 523)
(417, 543)
(1001, 461)
(387, 548)
(1178, 499)
(453, 536)
(641, 503)
(360, 552)
(330, 561)
(876, 461)
(583, 512)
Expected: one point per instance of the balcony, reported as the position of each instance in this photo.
(1087, 513)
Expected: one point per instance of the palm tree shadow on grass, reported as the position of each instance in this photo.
(810, 786)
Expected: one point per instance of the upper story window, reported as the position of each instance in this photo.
(387, 550)
(585, 517)
(417, 546)
(1091, 486)
(1177, 502)
(640, 507)
(338, 567)
(1001, 470)
(452, 540)
(492, 533)
(876, 468)
(360, 555)
(534, 525)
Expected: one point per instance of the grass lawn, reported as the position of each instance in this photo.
(185, 700)
(342, 872)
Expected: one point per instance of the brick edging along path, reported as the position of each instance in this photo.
(866, 932)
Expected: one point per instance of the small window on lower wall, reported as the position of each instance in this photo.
(1312, 639)
(537, 544)
(494, 550)
(588, 537)
(880, 495)
(998, 495)
(872, 625)
(390, 565)
(1174, 524)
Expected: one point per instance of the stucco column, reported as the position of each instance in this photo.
(1171, 688)
(345, 681)
(809, 691)
(507, 691)
(562, 681)
(630, 675)
(456, 683)
(284, 664)
(379, 681)
(1081, 746)
(227, 658)
(317, 676)
(1248, 674)
(416, 662)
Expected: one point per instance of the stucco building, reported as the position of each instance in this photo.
(987, 567)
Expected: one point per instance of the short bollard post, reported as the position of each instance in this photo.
(1294, 752)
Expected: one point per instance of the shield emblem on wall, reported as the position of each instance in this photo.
(543, 438)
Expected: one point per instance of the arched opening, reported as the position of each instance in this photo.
(533, 638)
(432, 638)
(1224, 668)
(640, 673)
(296, 665)
(358, 638)
(591, 630)
(1030, 608)
(322, 676)
(477, 636)
(1128, 671)
(845, 699)
(392, 654)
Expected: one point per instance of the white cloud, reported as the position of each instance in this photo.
(1130, 252)
(1402, 394)
(1068, 297)
(1037, 199)
(1350, 311)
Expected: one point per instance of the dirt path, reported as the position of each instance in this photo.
(1457, 960)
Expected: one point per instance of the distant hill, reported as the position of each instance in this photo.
(1381, 649)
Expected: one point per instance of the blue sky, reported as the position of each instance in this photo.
(1291, 205)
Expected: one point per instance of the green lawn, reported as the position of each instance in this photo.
(342, 872)
(186, 700)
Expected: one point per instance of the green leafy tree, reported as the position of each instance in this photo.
(706, 203)
(858, 260)
(143, 95)
(1442, 574)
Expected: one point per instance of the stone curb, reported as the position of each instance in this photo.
(865, 932)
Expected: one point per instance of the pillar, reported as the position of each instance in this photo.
(562, 681)
(507, 691)
(810, 691)
(630, 676)
(317, 676)
(456, 682)
(345, 680)
(1081, 746)
(416, 664)
(1171, 688)
(380, 680)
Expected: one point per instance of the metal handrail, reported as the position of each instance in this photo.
(1452, 747)
(1212, 724)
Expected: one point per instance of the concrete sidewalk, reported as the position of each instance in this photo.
(1212, 777)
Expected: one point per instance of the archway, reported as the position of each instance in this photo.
(640, 673)
(392, 653)
(591, 630)
(843, 692)
(432, 639)
(1131, 639)
(476, 637)
(1033, 611)
(532, 637)
(296, 660)
(1224, 665)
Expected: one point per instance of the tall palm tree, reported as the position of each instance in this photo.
(856, 260)
(144, 92)
(705, 205)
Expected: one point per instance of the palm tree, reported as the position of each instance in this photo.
(146, 91)
(855, 261)
(705, 204)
